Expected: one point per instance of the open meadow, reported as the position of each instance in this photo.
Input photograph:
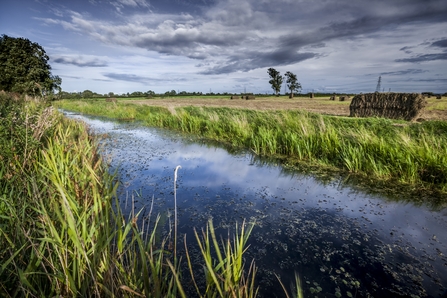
(435, 110)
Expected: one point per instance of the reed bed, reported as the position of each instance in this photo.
(63, 235)
(413, 154)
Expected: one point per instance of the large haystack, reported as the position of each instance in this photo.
(235, 97)
(438, 96)
(247, 97)
(405, 106)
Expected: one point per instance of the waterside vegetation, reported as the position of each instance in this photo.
(403, 154)
(63, 235)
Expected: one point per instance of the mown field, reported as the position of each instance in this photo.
(436, 109)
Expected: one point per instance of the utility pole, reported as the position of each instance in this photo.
(379, 84)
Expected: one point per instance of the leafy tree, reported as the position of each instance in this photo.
(276, 80)
(292, 83)
(87, 94)
(171, 93)
(25, 69)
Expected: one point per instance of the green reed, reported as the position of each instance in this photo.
(381, 149)
(63, 234)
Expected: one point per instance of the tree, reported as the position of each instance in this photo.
(292, 83)
(25, 69)
(87, 94)
(276, 80)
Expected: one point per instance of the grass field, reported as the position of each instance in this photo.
(436, 109)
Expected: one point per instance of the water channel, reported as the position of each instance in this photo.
(341, 241)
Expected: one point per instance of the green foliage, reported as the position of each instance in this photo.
(414, 155)
(225, 275)
(61, 234)
(275, 80)
(25, 68)
(292, 82)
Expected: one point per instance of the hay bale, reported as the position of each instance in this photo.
(333, 97)
(405, 106)
(247, 97)
(311, 95)
(234, 97)
(438, 96)
(290, 95)
(111, 99)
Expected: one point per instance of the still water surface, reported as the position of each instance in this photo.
(340, 241)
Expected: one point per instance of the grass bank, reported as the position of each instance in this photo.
(402, 154)
(61, 234)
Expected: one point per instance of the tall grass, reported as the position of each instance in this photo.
(411, 154)
(63, 235)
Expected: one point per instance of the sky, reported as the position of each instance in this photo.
(340, 46)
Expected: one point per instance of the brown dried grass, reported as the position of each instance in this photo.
(407, 106)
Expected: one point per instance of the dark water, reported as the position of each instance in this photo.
(341, 242)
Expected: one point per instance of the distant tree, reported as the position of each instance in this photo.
(25, 69)
(87, 94)
(149, 93)
(171, 93)
(275, 80)
(136, 93)
(111, 94)
(292, 83)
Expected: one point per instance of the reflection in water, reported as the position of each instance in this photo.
(340, 240)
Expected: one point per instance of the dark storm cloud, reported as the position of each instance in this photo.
(79, 61)
(424, 58)
(243, 35)
(254, 60)
(440, 43)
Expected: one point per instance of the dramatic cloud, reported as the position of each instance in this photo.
(79, 61)
(253, 60)
(334, 42)
(440, 43)
(424, 58)
(138, 78)
(404, 72)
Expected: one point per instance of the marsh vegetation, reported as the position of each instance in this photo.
(63, 233)
(387, 152)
